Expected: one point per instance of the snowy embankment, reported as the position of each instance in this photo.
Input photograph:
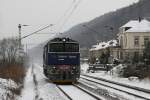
(37, 86)
(113, 76)
(6, 89)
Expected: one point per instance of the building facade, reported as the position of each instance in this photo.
(103, 48)
(133, 36)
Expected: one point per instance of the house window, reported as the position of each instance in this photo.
(136, 54)
(126, 28)
(136, 41)
(127, 55)
(121, 55)
(146, 40)
(136, 57)
(121, 41)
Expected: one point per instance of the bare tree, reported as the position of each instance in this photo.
(9, 51)
(2, 50)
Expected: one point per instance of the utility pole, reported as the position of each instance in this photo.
(20, 37)
(19, 27)
(19, 40)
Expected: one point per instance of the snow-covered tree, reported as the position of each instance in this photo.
(9, 50)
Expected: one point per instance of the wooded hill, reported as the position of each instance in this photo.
(106, 26)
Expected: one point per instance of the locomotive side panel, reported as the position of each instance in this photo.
(63, 59)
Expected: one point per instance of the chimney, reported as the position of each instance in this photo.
(140, 19)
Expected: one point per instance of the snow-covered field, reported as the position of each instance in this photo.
(37, 86)
(145, 83)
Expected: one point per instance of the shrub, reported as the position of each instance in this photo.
(15, 72)
(138, 70)
(12, 60)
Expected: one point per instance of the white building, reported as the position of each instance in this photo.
(103, 47)
(133, 37)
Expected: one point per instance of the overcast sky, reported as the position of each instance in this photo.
(39, 13)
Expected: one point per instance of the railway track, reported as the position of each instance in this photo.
(131, 90)
(75, 92)
(64, 92)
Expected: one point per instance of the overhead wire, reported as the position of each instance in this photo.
(61, 19)
(70, 14)
(72, 6)
(65, 13)
(37, 31)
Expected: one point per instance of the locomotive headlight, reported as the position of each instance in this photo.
(54, 67)
(64, 40)
(74, 67)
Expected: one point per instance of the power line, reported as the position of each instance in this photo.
(38, 31)
(74, 7)
(70, 14)
(61, 19)
(65, 13)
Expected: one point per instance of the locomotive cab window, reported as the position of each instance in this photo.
(63, 47)
(56, 47)
(71, 47)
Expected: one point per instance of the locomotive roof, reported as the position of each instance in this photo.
(54, 40)
(61, 40)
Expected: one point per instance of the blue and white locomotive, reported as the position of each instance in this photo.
(61, 60)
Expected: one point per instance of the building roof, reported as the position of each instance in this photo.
(138, 26)
(131, 23)
(143, 26)
(103, 45)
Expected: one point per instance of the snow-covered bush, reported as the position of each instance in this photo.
(118, 70)
(84, 67)
(137, 70)
(12, 67)
(10, 64)
(9, 51)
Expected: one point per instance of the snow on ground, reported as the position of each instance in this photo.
(28, 91)
(37, 87)
(145, 83)
(5, 86)
(84, 67)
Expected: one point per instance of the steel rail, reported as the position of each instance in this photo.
(78, 87)
(119, 84)
(64, 92)
(87, 92)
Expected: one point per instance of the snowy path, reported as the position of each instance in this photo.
(28, 92)
(37, 88)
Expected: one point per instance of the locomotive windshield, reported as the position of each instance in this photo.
(63, 47)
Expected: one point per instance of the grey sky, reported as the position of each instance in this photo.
(39, 13)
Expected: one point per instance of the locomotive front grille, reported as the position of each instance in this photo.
(65, 75)
(59, 74)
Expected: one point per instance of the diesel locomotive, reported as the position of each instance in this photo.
(61, 60)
